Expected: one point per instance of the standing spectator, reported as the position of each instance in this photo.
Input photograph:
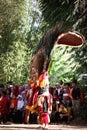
(55, 99)
(58, 88)
(12, 108)
(54, 106)
(66, 94)
(1, 86)
(20, 107)
(61, 83)
(16, 90)
(24, 95)
(8, 95)
(9, 84)
(76, 97)
(3, 106)
(66, 99)
(12, 90)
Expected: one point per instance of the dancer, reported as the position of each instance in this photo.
(44, 107)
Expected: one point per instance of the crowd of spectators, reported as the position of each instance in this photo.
(67, 98)
(66, 102)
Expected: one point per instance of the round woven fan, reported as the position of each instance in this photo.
(71, 38)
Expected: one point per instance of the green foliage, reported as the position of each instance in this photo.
(61, 67)
(21, 27)
(70, 15)
(57, 11)
(18, 37)
(80, 57)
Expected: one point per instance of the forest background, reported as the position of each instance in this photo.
(24, 22)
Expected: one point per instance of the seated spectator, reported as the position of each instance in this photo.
(63, 113)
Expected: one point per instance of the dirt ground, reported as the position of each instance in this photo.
(36, 127)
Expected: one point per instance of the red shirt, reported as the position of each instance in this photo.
(3, 105)
(13, 103)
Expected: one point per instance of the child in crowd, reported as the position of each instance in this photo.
(63, 113)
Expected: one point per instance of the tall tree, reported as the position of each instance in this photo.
(18, 34)
(70, 15)
(65, 12)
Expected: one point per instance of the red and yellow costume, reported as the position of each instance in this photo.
(44, 115)
(41, 82)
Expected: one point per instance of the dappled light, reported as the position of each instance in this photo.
(43, 64)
